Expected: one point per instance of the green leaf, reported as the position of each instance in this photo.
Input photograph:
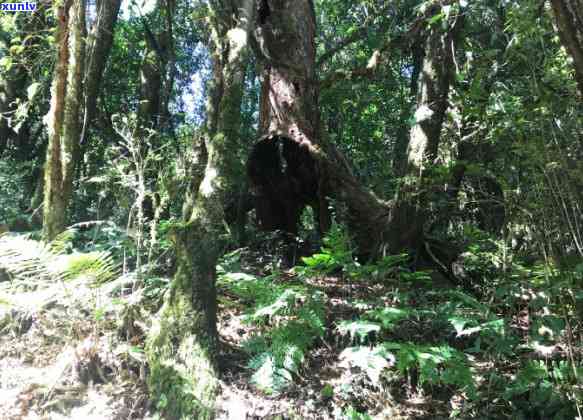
(388, 316)
(16, 49)
(372, 361)
(327, 391)
(458, 324)
(436, 18)
(6, 62)
(32, 90)
(358, 329)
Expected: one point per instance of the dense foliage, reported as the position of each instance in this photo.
(483, 319)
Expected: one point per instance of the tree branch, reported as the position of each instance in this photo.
(377, 60)
(354, 37)
(380, 57)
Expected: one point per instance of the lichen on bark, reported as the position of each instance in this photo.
(182, 344)
(63, 119)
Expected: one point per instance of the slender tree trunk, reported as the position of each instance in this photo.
(569, 18)
(294, 165)
(156, 73)
(402, 141)
(63, 119)
(11, 87)
(100, 41)
(183, 345)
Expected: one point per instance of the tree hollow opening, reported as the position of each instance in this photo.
(283, 180)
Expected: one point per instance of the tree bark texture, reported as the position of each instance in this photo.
(284, 176)
(63, 119)
(99, 45)
(569, 18)
(183, 344)
(435, 77)
(284, 41)
(434, 80)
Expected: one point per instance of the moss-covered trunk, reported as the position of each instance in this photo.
(182, 347)
(63, 119)
(435, 77)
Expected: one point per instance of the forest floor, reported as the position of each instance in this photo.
(74, 350)
(57, 361)
(63, 355)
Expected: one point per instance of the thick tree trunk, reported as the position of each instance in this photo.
(99, 46)
(183, 345)
(569, 18)
(284, 176)
(63, 119)
(434, 80)
(294, 165)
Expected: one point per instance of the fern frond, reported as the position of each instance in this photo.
(30, 262)
(99, 267)
(25, 259)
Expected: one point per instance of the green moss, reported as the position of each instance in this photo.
(183, 376)
(181, 346)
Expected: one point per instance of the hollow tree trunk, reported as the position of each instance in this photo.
(294, 165)
(569, 18)
(63, 119)
(284, 176)
(182, 346)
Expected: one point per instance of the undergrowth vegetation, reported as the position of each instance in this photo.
(498, 337)
(504, 341)
(510, 350)
(185, 219)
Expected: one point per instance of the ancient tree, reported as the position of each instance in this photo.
(293, 164)
(182, 347)
(284, 175)
(569, 19)
(63, 119)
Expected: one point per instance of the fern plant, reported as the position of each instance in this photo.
(289, 318)
(31, 263)
(98, 267)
